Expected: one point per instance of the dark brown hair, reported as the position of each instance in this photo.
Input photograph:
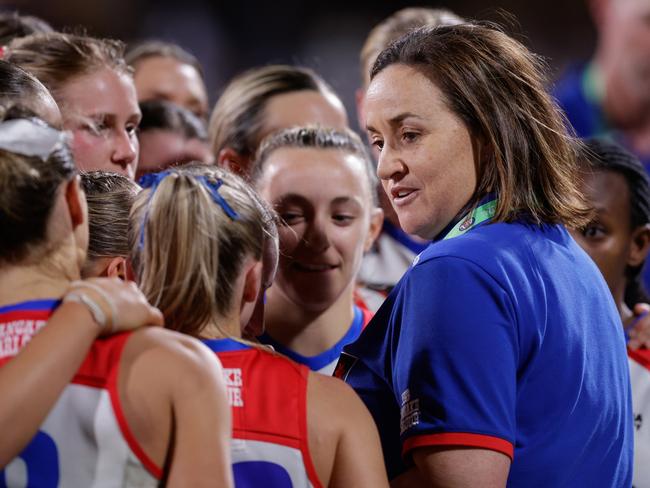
(17, 87)
(164, 115)
(497, 88)
(13, 25)
(600, 154)
(28, 189)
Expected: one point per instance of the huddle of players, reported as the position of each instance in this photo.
(284, 132)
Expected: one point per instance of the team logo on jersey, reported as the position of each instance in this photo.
(467, 223)
(15, 334)
(409, 412)
(343, 367)
(234, 385)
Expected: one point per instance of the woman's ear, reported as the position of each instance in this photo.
(640, 245)
(233, 161)
(250, 299)
(252, 282)
(76, 200)
(376, 223)
(118, 268)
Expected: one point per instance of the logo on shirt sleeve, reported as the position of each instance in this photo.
(409, 412)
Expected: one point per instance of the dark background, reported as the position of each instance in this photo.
(230, 36)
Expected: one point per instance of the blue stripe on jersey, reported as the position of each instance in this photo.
(31, 306)
(403, 238)
(321, 360)
(224, 345)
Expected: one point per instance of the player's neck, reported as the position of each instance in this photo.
(222, 328)
(308, 332)
(23, 283)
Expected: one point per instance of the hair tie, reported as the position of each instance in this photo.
(152, 180)
(213, 189)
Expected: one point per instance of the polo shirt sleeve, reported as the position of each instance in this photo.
(455, 363)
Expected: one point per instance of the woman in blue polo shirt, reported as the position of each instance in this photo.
(498, 358)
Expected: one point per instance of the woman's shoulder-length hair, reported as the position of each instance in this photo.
(498, 88)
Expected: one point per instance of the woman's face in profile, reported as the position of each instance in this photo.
(426, 154)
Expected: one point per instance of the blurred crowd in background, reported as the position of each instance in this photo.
(228, 37)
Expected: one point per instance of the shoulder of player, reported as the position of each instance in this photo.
(170, 354)
(327, 397)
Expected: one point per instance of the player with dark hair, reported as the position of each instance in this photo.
(170, 135)
(166, 71)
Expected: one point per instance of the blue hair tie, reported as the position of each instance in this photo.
(152, 180)
(213, 188)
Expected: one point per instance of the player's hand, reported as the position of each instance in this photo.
(122, 302)
(639, 333)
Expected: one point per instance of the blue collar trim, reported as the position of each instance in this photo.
(321, 360)
(224, 345)
(32, 306)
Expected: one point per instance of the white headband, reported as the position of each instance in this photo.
(29, 138)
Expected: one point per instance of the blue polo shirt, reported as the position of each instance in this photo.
(504, 338)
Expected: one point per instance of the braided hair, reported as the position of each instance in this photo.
(606, 155)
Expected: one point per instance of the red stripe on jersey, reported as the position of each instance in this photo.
(459, 439)
(113, 392)
(309, 462)
(367, 316)
(102, 358)
(367, 313)
(641, 356)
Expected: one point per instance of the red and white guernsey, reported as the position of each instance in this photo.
(268, 397)
(85, 440)
(640, 378)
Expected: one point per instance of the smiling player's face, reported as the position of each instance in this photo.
(324, 200)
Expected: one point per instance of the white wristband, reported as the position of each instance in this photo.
(114, 319)
(95, 310)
